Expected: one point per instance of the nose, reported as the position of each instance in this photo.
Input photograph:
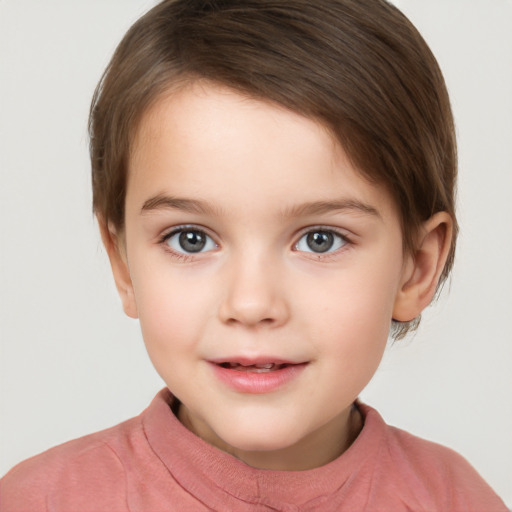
(254, 294)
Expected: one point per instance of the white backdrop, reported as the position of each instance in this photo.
(71, 363)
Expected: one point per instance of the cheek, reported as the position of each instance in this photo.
(172, 312)
(171, 324)
(352, 313)
(351, 338)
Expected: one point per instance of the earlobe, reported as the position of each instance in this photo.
(423, 269)
(117, 255)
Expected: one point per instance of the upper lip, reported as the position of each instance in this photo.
(250, 361)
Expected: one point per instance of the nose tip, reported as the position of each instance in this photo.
(249, 314)
(254, 298)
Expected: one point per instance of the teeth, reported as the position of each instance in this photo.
(266, 366)
(253, 367)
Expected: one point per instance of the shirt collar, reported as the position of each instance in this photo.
(220, 480)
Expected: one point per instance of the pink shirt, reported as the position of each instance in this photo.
(153, 463)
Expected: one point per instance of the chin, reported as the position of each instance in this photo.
(258, 439)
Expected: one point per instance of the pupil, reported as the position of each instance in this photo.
(320, 241)
(192, 241)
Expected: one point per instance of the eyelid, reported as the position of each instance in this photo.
(169, 233)
(341, 233)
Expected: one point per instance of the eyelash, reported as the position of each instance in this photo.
(185, 257)
(182, 256)
(328, 254)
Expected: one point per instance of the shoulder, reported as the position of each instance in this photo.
(436, 477)
(72, 476)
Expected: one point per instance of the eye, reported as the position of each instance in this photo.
(320, 241)
(189, 241)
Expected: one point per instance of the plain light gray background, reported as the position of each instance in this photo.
(71, 363)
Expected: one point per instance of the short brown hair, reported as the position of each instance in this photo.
(358, 66)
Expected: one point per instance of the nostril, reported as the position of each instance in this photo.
(253, 307)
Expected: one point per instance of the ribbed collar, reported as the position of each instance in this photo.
(223, 482)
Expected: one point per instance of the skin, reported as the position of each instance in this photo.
(256, 179)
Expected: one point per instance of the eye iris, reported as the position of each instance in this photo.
(192, 241)
(320, 241)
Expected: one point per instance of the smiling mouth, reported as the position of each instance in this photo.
(257, 376)
(255, 368)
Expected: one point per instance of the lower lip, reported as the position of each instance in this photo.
(257, 382)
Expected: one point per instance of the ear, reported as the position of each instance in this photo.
(115, 247)
(423, 268)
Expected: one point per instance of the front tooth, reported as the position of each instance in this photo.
(266, 366)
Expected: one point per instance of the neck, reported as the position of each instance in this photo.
(317, 449)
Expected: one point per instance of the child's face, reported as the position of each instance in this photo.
(251, 239)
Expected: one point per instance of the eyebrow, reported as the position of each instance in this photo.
(163, 202)
(323, 207)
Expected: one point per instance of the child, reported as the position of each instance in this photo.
(274, 183)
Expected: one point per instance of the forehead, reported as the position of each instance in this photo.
(204, 138)
(203, 114)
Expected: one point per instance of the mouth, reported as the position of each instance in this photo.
(257, 376)
(256, 368)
